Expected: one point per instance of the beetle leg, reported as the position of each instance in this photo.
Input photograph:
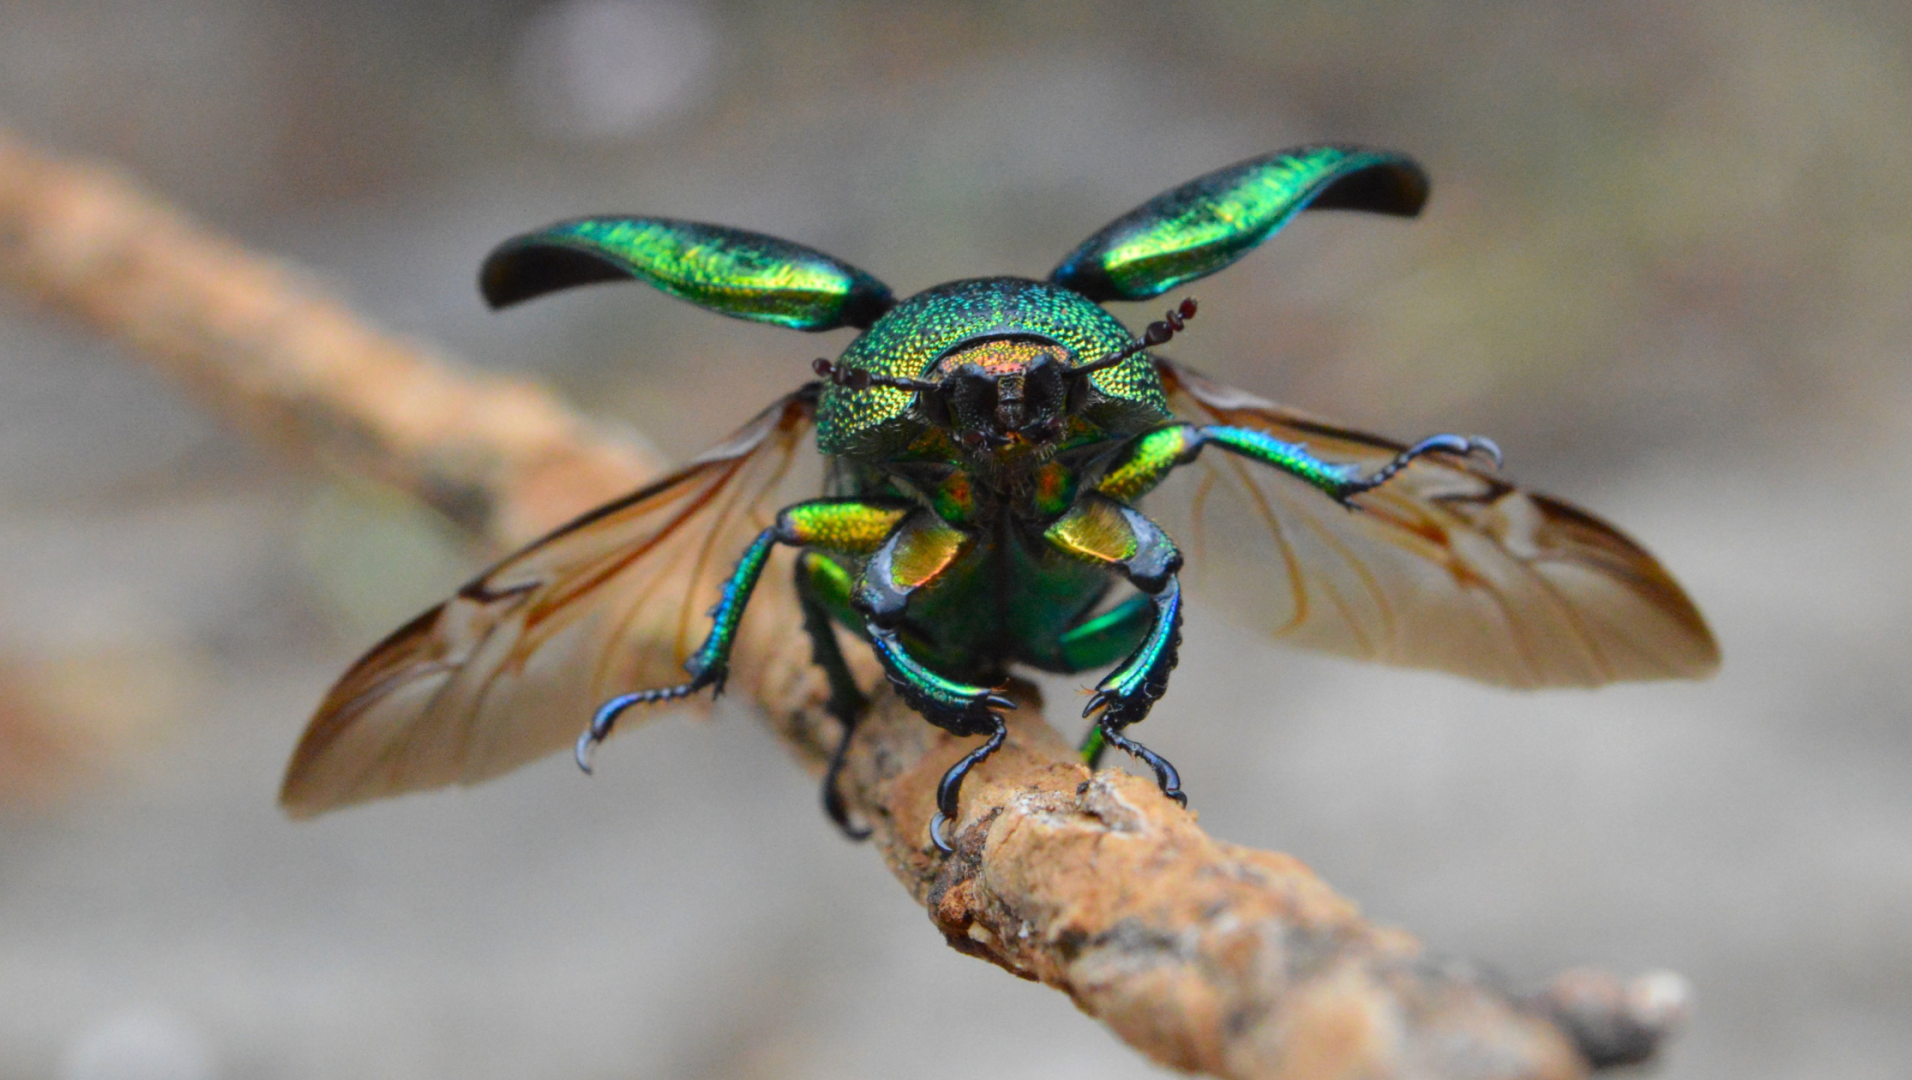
(1127, 694)
(1093, 745)
(1458, 445)
(951, 786)
(1340, 482)
(956, 707)
(847, 525)
(821, 586)
(1100, 640)
(915, 555)
(709, 665)
(1104, 531)
(1153, 455)
(1166, 777)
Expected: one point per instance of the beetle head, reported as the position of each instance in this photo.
(1010, 394)
(1001, 393)
(996, 394)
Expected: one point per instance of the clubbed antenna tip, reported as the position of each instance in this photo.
(1157, 333)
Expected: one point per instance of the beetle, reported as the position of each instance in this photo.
(988, 445)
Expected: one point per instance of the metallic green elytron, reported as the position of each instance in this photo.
(988, 443)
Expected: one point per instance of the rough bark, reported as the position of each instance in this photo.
(1204, 955)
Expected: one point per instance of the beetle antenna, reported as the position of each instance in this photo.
(858, 378)
(1157, 333)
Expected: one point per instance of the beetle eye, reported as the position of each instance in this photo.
(1042, 388)
(971, 398)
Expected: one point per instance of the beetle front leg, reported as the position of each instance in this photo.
(1104, 531)
(845, 525)
(915, 555)
(958, 708)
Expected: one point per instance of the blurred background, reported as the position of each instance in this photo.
(1666, 265)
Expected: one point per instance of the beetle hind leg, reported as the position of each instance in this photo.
(821, 585)
(1094, 744)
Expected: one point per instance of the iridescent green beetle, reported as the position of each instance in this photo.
(988, 443)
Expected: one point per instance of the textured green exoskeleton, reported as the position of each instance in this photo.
(989, 443)
(969, 409)
(1196, 229)
(742, 274)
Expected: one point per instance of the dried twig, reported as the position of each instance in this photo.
(1203, 955)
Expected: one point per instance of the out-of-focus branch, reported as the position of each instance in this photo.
(268, 349)
(1203, 955)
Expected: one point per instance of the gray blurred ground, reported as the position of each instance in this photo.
(1667, 265)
